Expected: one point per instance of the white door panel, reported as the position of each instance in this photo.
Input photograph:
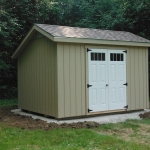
(107, 74)
(117, 77)
(98, 93)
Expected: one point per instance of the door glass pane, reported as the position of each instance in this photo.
(121, 57)
(111, 57)
(103, 56)
(95, 56)
(92, 56)
(98, 56)
(118, 57)
(115, 59)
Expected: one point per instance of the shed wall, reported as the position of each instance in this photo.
(53, 78)
(71, 64)
(37, 77)
(136, 73)
(137, 77)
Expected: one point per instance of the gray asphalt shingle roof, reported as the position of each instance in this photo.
(75, 32)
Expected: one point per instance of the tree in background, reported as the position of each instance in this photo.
(17, 17)
(9, 28)
(137, 17)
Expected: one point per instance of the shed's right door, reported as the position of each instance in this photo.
(117, 79)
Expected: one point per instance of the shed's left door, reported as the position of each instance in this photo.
(98, 78)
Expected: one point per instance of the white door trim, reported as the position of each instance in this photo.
(102, 99)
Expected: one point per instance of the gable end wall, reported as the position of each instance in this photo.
(37, 77)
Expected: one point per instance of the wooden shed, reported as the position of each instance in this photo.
(69, 71)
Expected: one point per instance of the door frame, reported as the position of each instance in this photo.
(87, 75)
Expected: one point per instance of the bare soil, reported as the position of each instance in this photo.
(10, 119)
(145, 115)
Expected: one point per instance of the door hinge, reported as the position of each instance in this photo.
(125, 51)
(89, 110)
(88, 50)
(126, 84)
(126, 107)
(88, 85)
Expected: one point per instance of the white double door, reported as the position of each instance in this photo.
(107, 76)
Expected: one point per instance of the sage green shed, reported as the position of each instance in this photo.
(69, 71)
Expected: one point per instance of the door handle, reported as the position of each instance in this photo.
(106, 84)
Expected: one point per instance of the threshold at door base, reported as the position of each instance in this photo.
(107, 112)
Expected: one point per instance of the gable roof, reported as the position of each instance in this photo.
(83, 35)
(65, 31)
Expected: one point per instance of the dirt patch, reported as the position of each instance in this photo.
(144, 130)
(25, 122)
(126, 132)
(141, 136)
(145, 115)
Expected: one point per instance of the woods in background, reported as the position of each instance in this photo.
(17, 17)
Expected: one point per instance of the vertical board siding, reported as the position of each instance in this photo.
(52, 77)
(71, 61)
(141, 79)
(37, 77)
(37, 35)
(71, 79)
(60, 72)
(145, 84)
(137, 75)
(147, 79)
(78, 80)
(137, 78)
(145, 96)
(128, 68)
(66, 75)
(47, 95)
(83, 79)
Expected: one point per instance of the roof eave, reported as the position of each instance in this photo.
(100, 41)
(73, 40)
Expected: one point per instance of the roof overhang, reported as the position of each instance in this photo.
(28, 37)
(100, 41)
(73, 40)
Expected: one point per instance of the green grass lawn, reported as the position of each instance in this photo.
(129, 135)
(64, 139)
(8, 102)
